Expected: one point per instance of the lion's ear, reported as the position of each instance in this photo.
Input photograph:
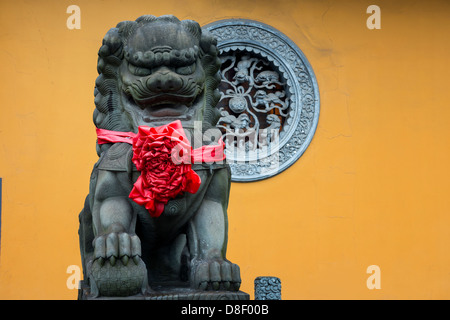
(208, 43)
(112, 44)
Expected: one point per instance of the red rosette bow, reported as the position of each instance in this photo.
(163, 156)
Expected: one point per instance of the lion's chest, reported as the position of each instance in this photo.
(118, 159)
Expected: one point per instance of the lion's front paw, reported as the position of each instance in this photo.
(217, 275)
(107, 276)
(115, 245)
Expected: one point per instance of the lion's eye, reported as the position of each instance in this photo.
(186, 69)
(139, 71)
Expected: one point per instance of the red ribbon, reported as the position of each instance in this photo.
(163, 155)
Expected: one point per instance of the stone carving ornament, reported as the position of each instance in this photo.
(269, 103)
(267, 288)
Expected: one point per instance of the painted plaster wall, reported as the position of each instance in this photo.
(371, 189)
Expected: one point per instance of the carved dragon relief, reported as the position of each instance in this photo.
(269, 98)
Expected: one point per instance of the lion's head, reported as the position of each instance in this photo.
(155, 70)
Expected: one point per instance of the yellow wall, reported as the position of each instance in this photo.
(371, 189)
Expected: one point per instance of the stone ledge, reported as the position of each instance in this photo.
(170, 294)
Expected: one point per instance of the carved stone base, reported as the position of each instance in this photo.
(168, 293)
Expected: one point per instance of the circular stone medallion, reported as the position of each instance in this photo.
(269, 102)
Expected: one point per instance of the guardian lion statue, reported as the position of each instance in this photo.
(147, 224)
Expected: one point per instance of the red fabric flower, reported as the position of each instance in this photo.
(163, 156)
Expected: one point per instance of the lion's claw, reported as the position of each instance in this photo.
(217, 275)
(117, 246)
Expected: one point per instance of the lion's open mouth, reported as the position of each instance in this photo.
(163, 105)
(159, 101)
(166, 109)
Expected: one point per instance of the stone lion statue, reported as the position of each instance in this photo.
(152, 72)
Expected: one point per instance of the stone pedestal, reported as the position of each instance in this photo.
(169, 293)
